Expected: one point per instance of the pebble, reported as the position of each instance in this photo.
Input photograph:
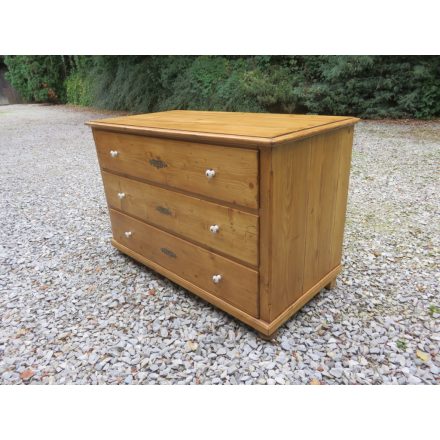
(76, 311)
(280, 380)
(285, 345)
(336, 372)
(269, 365)
(191, 346)
(413, 380)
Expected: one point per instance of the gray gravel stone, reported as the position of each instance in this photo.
(285, 345)
(336, 372)
(413, 380)
(75, 310)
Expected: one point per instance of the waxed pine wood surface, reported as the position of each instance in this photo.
(242, 128)
(265, 232)
(342, 195)
(258, 324)
(309, 194)
(281, 210)
(239, 285)
(288, 225)
(322, 210)
(187, 216)
(182, 165)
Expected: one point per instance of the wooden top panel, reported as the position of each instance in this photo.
(232, 127)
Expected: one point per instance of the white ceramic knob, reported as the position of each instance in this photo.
(121, 195)
(216, 278)
(214, 228)
(113, 153)
(210, 173)
(128, 234)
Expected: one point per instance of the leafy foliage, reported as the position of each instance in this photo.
(401, 344)
(78, 90)
(376, 86)
(434, 310)
(78, 83)
(38, 78)
(365, 86)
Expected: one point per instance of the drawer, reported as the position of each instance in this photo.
(183, 165)
(219, 227)
(238, 284)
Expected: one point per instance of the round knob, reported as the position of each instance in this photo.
(214, 228)
(216, 278)
(121, 195)
(210, 173)
(128, 234)
(113, 153)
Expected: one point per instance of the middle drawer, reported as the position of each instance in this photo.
(219, 227)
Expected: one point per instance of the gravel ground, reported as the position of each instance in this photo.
(75, 310)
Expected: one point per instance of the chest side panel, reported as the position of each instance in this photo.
(309, 196)
(327, 185)
(289, 200)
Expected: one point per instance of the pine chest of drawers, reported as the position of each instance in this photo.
(245, 210)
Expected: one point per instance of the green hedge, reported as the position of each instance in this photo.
(38, 78)
(365, 86)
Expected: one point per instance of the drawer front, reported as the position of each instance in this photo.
(183, 165)
(238, 284)
(225, 229)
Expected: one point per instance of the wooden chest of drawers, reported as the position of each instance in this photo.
(245, 210)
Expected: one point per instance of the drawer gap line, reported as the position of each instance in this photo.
(253, 211)
(189, 240)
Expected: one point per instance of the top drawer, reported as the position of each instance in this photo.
(232, 172)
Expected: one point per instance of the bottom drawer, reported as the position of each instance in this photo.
(237, 284)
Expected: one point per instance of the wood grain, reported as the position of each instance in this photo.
(266, 215)
(302, 300)
(322, 183)
(253, 322)
(249, 129)
(345, 145)
(288, 231)
(187, 216)
(305, 217)
(239, 284)
(279, 199)
(183, 165)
